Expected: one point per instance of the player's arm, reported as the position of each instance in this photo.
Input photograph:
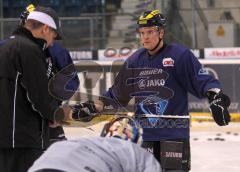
(117, 97)
(193, 77)
(201, 84)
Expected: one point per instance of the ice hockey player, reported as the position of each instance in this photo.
(159, 76)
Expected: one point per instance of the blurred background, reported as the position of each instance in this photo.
(99, 24)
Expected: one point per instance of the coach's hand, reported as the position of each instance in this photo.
(62, 116)
(219, 104)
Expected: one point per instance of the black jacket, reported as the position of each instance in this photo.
(25, 104)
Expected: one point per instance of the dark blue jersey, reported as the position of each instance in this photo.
(160, 85)
(64, 80)
(61, 59)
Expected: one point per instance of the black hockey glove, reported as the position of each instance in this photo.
(84, 111)
(219, 104)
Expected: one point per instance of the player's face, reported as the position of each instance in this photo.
(149, 37)
(49, 35)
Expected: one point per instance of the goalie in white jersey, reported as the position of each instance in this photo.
(117, 151)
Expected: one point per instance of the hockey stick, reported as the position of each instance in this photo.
(109, 114)
(132, 114)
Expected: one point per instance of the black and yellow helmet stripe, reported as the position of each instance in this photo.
(151, 18)
(143, 19)
(151, 15)
(30, 8)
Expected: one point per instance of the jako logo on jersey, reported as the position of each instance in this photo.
(168, 62)
(151, 83)
(142, 84)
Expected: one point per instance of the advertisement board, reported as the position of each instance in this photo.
(112, 54)
(222, 53)
(81, 55)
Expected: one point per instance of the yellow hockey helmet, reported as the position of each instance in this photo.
(152, 18)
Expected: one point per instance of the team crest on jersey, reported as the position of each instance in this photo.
(168, 62)
(203, 71)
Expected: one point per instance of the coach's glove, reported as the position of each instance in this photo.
(84, 111)
(219, 104)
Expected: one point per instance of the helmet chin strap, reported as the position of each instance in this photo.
(159, 41)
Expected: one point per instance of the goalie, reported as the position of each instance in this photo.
(116, 151)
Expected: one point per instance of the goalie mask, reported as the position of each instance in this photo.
(125, 128)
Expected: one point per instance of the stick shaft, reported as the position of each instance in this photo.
(132, 114)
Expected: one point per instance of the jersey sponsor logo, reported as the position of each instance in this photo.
(150, 72)
(168, 62)
(49, 68)
(173, 155)
(150, 92)
(142, 84)
(164, 123)
(151, 83)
